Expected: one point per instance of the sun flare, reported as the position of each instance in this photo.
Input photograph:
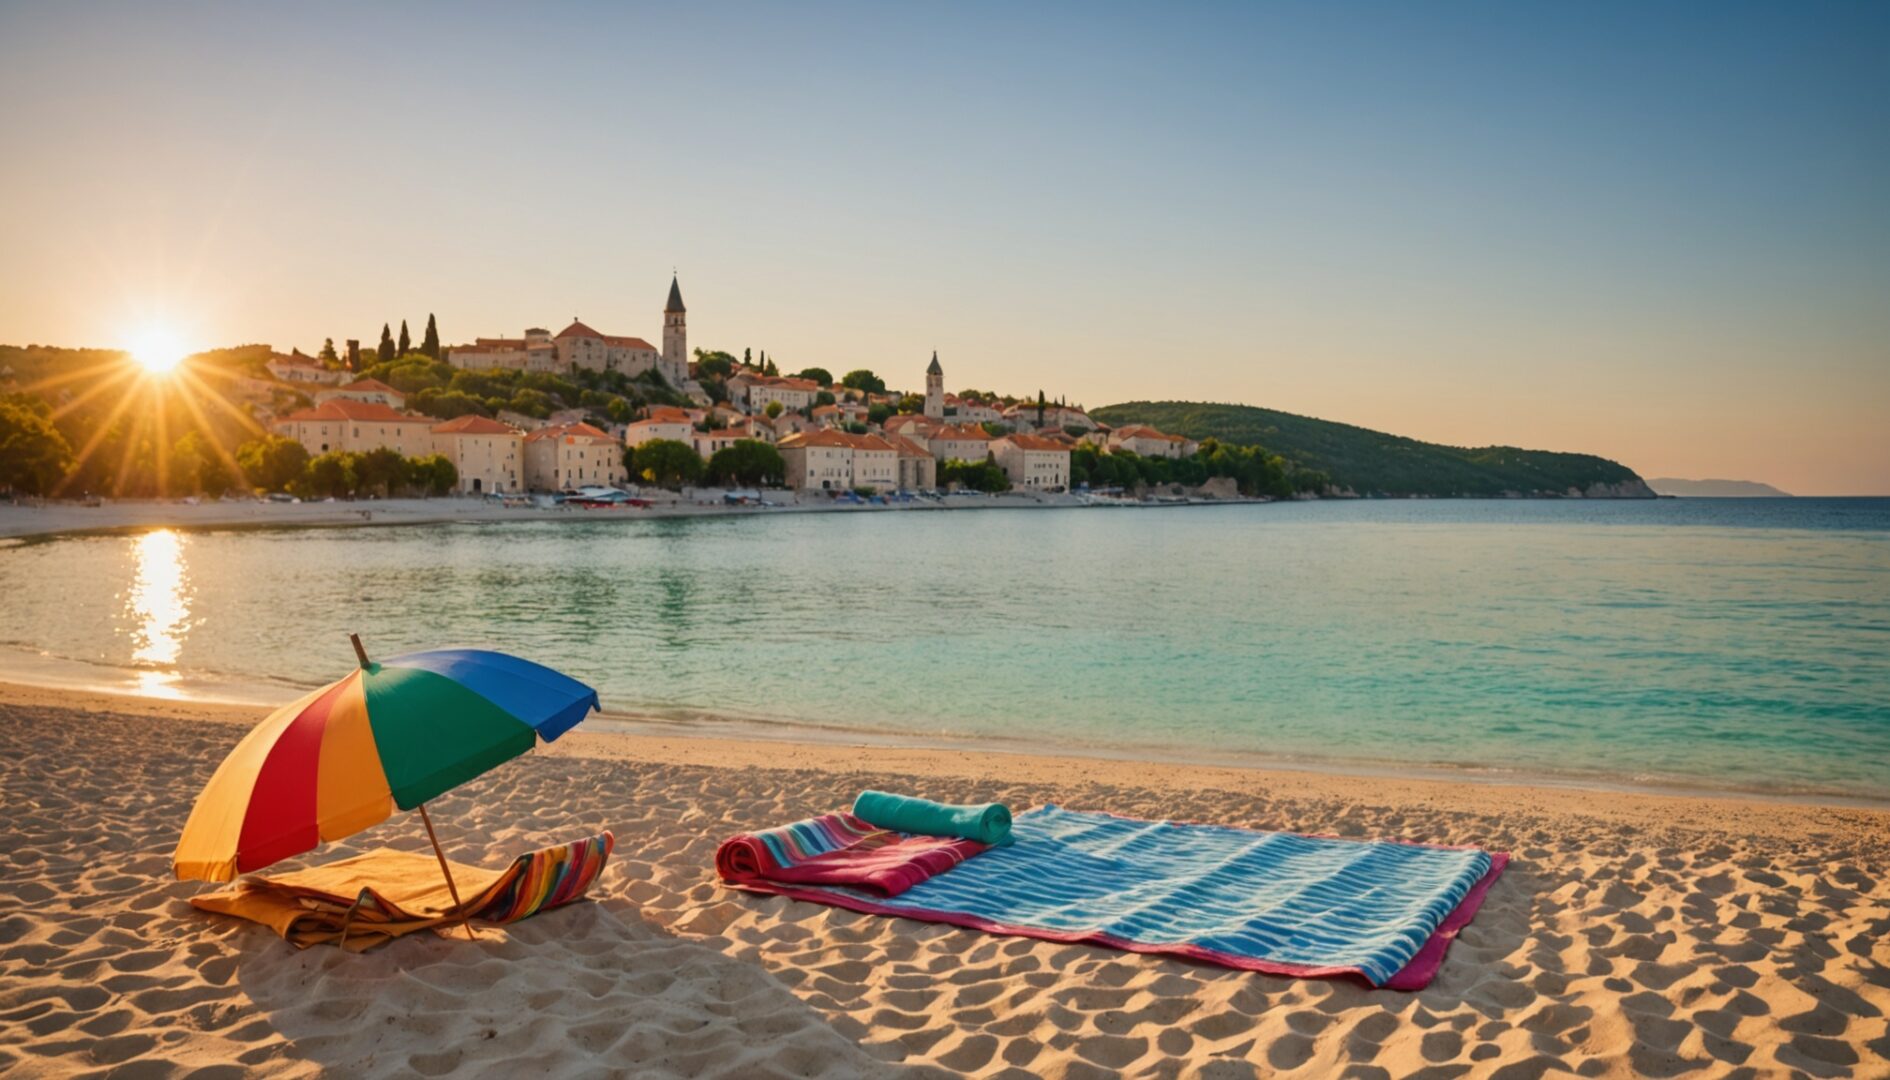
(157, 351)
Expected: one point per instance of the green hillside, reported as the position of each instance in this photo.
(1374, 463)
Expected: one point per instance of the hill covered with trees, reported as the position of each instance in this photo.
(1375, 463)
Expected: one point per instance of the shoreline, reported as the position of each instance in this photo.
(263, 696)
(1631, 935)
(69, 519)
(20, 522)
(660, 744)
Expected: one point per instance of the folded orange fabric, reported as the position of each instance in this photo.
(370, 899)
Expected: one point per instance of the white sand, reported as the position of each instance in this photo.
(1633, 934)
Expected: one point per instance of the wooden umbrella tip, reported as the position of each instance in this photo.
(360, 651)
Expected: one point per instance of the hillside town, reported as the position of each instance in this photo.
(830, 437)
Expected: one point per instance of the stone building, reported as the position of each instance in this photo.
(571, 456)
(1033, 462)
(489, 455)
(580, 346)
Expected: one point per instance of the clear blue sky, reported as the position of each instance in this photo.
(1658, 232)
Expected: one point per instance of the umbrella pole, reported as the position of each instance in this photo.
(450, 887)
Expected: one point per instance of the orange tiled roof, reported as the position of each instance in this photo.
(1035, 442)
(908, 448)
(371, 386)
(349, 409)
(962, 433)
(666, 414)
(473, 425)
(785, 382)
(555, 431)
(1143, 431)
(906, 420)
(831, 437)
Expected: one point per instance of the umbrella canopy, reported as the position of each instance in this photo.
(392, 734)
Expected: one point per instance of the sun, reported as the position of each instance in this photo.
(157, 351)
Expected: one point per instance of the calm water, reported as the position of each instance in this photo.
(1739, 644)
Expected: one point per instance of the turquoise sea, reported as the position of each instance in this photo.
(1735, 644)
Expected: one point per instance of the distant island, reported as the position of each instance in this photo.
(1716, 489)
(1369, 462)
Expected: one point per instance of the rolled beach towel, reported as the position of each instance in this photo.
(987, 823)
(838, 849)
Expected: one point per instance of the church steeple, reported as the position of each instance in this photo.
(675, 363)
(935, 389)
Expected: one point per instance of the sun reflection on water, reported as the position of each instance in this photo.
(159, 605)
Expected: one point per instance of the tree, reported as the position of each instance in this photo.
(716, 364)
(535, 403)
(447, 404)
(824, 397)
(412, 376)
(430, 344)
(33, 454)
(878, 413)
(381, 471)
(272, 462)
(768, 368)
(665, 463)
(191, 463)
(328, 356)
(386, 352)
(746, 359)
(774, 409)
(912, 403)
(432, 474)
(334, 474)
(747, 461)
(819, 374)
(406, 342)
(975, 475)
(862, 379)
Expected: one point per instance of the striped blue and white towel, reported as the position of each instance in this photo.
(1274, 902)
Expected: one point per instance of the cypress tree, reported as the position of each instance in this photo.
(385, 352)
(745, 358)
(431, 343)
(329, 357)
(406, 342)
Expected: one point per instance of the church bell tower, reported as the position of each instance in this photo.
(675, 338)
(935, 389)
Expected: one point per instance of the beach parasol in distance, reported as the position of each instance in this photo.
(389, 734)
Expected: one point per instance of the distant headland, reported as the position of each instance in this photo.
(1367, 462)
(1716, 489)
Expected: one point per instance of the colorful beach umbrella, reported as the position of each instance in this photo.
(390, 734)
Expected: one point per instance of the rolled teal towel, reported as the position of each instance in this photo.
(987, 823)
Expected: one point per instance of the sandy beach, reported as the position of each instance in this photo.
(18, 520)
(1633, 934)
